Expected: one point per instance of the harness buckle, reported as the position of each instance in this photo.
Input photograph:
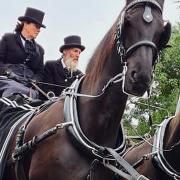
(62, 125)
(141, 177)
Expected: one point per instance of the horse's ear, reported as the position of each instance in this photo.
(165, 36)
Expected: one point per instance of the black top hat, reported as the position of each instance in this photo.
(72, 41)
(33, 15)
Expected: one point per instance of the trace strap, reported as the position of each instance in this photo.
(133, 174)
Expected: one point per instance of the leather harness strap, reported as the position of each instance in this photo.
(106, 156)
(22, 148)
(133, 174)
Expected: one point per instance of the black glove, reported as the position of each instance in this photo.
(22, 80)
(13, 76)
(3, 71)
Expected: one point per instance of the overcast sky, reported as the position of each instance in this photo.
(89, 19)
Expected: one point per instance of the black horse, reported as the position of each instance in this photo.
(70, 136)
(158, 158)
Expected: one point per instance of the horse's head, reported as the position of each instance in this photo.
(141, 34)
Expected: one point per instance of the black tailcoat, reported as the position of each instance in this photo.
(12, 52)
(54, 73)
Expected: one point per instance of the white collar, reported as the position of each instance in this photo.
(23, 41)
(63, 64)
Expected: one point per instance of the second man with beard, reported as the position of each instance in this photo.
(61, 73)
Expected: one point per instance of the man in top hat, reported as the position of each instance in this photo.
(61, 73)
(21, 57)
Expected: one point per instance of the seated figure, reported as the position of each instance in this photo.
(21, 57)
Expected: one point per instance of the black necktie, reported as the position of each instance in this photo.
(30, 49)
(66, 72)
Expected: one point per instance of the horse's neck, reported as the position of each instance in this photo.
(100, 117)
(172, 142)
(172, 134)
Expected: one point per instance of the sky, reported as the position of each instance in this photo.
(88, 19)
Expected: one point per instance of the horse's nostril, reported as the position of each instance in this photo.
(139, 77)
(134, 76)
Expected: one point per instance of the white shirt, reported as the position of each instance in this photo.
(63, 64)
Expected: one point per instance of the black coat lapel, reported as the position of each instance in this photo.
(19, 41)
(60, 68)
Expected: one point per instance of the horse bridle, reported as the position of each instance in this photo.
(147, 16)
(122, 51)
(125, 52)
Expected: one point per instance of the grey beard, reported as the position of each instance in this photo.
(71, 65)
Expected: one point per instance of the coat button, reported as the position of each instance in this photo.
(65, 80)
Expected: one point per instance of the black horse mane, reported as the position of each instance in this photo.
(102, 52)
(98, 59)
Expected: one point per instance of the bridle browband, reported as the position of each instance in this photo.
(122, 51)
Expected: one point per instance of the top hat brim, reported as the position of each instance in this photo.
(30, 19)
(67, 46)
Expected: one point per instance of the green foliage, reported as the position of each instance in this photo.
(165, 91)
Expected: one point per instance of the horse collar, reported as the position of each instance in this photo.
(75, 131)
(158, 150)
(110, 158)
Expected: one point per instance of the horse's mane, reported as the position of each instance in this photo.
(99, 57)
